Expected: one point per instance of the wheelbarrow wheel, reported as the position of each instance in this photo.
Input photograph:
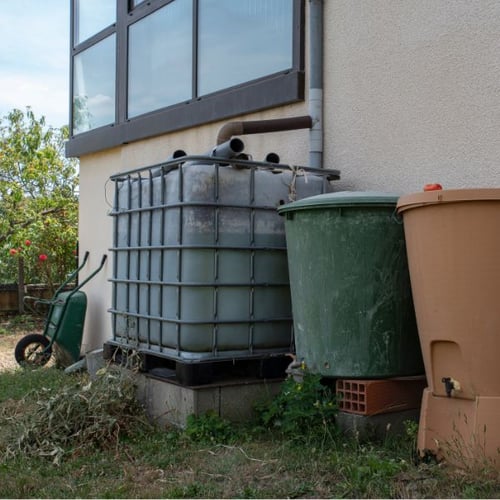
(33, 350)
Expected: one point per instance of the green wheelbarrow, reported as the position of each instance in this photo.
(63, 329)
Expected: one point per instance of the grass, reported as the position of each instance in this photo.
(64, 436)
(20, 323)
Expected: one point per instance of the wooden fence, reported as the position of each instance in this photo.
(9, 296)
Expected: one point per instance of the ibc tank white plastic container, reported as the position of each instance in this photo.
(200, 268)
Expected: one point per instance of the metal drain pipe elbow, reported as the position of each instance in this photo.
(262, 126)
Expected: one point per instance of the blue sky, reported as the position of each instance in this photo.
(34, 58)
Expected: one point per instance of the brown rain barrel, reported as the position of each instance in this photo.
(453, 246)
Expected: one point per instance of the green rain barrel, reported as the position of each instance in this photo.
(352, 307)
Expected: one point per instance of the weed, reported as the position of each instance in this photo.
(365, 471)
(303, 409)
(467, 447)
(209, 428)
(403, 444)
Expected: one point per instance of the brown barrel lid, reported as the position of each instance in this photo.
(416, 200)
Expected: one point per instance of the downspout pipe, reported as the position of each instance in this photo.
(316, 83)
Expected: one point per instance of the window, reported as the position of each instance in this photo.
(141, 69)
(91, 16)
(94, 86)
(242, 41)
(160, 58)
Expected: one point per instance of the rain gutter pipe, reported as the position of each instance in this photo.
(316, 82)
(313, 121)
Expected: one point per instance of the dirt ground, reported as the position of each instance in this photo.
(7, 345)
(12, 329)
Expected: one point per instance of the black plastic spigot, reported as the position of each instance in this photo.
(448, 385)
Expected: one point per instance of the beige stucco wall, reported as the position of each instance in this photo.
(412, 95)
(413, 92)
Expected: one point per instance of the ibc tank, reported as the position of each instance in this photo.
(200, 269)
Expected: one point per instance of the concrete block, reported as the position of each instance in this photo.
(95, 361)
(168, 403)
(380, 426)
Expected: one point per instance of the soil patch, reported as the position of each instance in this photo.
(7, 345)
(12, 329)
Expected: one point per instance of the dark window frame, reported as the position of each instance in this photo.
(264, 93)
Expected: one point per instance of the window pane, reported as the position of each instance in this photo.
(94, 86)
(91, 16)
(243, 40)
(160, 58)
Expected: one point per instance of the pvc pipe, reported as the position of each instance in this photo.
(178, 153)
(228, 149)
(272, 158)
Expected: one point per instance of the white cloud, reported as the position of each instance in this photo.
(45, 94)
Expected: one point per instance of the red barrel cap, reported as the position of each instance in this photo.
(433, 187)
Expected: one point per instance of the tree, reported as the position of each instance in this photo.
(38, 200)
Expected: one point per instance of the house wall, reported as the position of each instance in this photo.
(411, 96)
(413, 92)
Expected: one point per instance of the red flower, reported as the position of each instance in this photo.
(13, 251)
(27, 243)
(42, 257)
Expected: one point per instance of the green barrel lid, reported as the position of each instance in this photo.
(342, 199)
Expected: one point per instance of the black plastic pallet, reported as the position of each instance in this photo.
(203, 372)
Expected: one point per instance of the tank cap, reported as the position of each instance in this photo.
(433, 187)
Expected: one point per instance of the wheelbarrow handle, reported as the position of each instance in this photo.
(90, 276)
(73, 274)
(29, 299)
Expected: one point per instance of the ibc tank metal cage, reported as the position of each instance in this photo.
(200, 268)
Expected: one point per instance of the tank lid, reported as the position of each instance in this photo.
(342, 199)
(416, 200)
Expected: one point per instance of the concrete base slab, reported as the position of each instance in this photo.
(168, 403)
